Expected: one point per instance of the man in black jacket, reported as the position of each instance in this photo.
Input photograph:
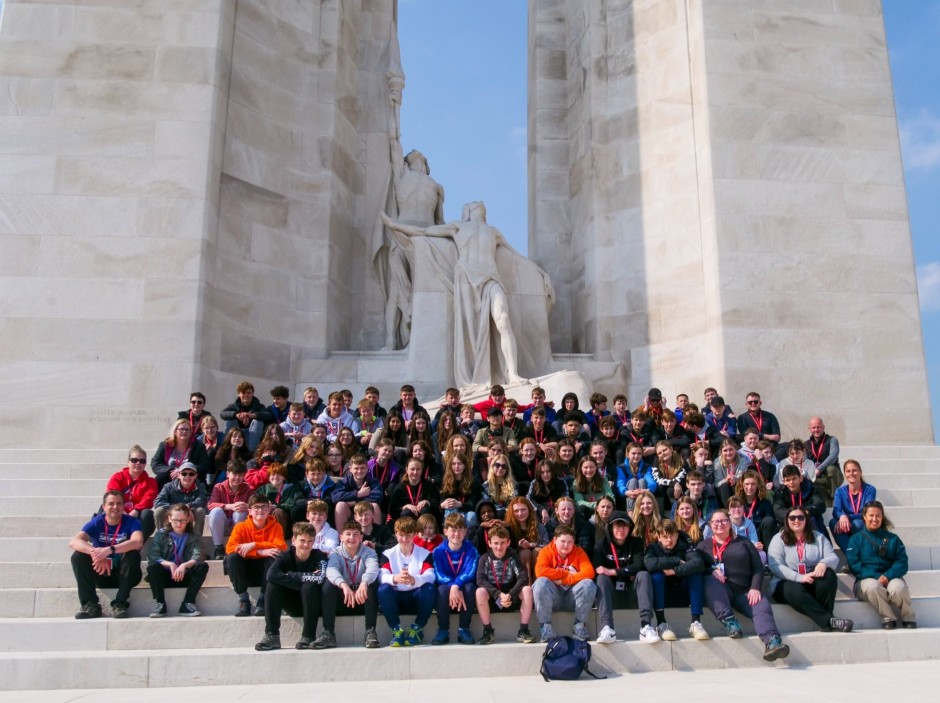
(618, 565)
(295, 581)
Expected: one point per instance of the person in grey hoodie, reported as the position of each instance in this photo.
(352, 574)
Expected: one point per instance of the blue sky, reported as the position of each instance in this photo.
(464, 106)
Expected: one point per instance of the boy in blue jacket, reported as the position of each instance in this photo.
(356, 485)
(455, 566)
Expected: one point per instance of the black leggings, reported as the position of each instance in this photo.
(814, 600)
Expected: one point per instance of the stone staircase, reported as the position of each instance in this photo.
(45, 497)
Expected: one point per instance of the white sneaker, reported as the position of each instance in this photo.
(665, 632)
(698, 631)
(648, 635)
(607, 635)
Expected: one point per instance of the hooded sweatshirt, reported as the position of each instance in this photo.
(627, 558)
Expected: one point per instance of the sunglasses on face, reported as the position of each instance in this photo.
(190, 474)
(136, 460)
(796, 518)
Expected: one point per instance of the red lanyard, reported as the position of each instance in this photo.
(112, 540)
(817, 453)
(758, 420)
(414, 498)
(277, 498)
(539, 436)
(178, 552)
(616, 558)
(750, 512)
(793, 502)
(353, 575)
(499, 586)
(459, 564)
(856, 507)
(388, 467)
(801, 550)
(719, 552)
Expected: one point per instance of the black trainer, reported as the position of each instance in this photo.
(88, 611)
(268, 642)
(244, 609)
(488, 637)
(119, 611)
(159, 610)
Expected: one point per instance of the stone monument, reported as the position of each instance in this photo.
(480, 300)
(189, 196)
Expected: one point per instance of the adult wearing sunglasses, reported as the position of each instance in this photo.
(138, 488)
(803, 564)
(185, 489)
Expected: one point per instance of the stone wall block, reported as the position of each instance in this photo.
(65, 215)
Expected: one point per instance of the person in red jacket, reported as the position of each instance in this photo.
(138, 487)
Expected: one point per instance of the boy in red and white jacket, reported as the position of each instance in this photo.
(406, 577)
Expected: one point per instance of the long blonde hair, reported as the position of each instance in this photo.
(501, 490)
(646, 527)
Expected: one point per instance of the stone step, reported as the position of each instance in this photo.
(11, 488)
(906, 466)
(39, 456)
(220, 631)
(217, 598)
(911, 481)
(915, 497)
(97, 471)
(183, 666)
(60, 527)
(59, 575)
(26, 506)
(871, 452)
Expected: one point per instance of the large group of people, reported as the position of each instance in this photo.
(494, 506)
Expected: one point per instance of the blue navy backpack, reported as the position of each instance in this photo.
(565, 658)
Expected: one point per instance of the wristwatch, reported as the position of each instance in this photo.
(112, 550)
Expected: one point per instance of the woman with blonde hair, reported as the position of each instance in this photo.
(178, 448)
(500, 486)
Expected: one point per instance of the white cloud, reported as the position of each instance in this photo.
(928, 286)
(920, 140)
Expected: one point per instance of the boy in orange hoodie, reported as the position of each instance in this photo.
(251, 549)
(564, 580)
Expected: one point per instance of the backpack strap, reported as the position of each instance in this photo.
(591, 674)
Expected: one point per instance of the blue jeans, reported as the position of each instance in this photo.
(252, 434)
(692, 587)
(443, 605)
(842, 538)
(391, 601)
